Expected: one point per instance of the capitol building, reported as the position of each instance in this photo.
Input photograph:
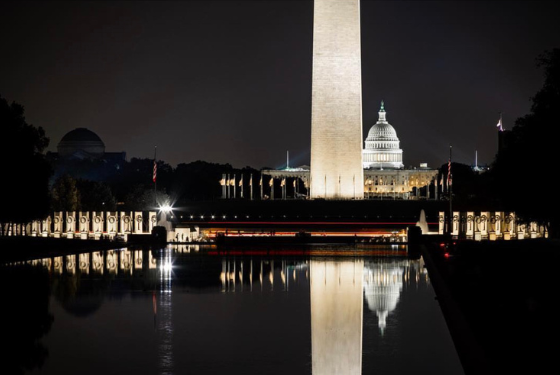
(384, 174)
(382, 145)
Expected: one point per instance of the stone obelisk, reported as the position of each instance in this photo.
(336, 110)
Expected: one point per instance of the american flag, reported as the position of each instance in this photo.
(155, 171)
(449, 173)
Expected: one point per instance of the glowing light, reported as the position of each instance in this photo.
(166, 267)
(165, 208)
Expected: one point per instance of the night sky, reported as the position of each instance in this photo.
(230, 81)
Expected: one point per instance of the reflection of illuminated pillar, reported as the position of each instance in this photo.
(241, 275)
(57, 265)
(223, 275)
(97, 262)
(336, 316)
(271, 275)
(261, 276)
(84, 264)
(71, 264)
(164, 315)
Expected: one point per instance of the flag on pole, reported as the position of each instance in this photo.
(241, 181)
(260, 181)
(294, 183)
(449, 182)
(271, 182)
(283, 182)
(223, 182)
(500, 127)
(155, 171)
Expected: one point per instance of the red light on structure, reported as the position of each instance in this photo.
(446, 255)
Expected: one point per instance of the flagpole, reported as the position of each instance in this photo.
(450, 187)
(155, 176)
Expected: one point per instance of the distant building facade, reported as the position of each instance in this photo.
(84, 144)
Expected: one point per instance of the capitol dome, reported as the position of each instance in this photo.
(382, 131)
(81, 143)
(382, 145)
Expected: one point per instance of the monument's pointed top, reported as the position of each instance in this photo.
(382, 107)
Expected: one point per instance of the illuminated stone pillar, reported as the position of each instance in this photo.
(138, 222)
(28, 227)
(533, 229)
(83, 225)
(97, 227)
(470, 225)
(125, 222)
(111, 224)
(57, 224)
(336, 316)
(510, 226)
(152, 221)
(45, 227)
(521, 231)
(455, 224)
(484, 224)
(336, 101)
(499, 224)
(477, 236)
(35, 228)
(70, 224)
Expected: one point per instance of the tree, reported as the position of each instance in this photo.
(65, 195)
(141, 197)
(95, 196)
(529, 159)
(26, 172)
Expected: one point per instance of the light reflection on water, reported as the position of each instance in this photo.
(215, 312)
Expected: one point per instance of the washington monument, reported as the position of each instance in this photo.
(336, 109)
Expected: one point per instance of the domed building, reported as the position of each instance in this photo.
(77, 149)
(382, 145)
(81, 143)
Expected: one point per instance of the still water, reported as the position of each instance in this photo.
(188, 309)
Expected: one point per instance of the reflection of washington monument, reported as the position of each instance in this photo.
(336, 316)
(338, 288)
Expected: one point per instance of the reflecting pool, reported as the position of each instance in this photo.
(189, 309)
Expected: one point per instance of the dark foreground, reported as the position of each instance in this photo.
(500, 326)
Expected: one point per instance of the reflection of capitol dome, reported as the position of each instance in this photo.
(81, 143)
(382, 145)
(382, 287)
